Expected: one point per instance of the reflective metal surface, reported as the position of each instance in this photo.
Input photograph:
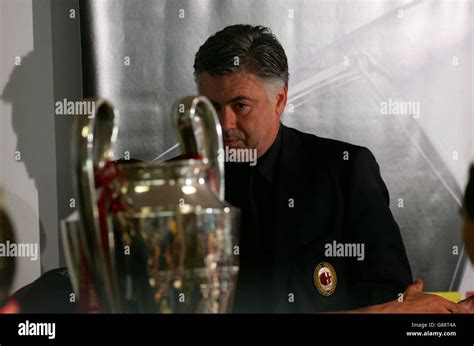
(156, 237)
(93, 138)
(71, 237)
(200, 134)
(181, 240)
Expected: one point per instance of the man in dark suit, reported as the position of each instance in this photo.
(317, 233)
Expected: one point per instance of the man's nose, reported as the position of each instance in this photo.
(227, 118)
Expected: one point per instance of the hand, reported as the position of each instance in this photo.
(468, 303)
(11, 307)
(415, 301)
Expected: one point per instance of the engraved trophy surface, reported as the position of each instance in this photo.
(155, 237)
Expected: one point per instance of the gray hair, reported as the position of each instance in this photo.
(244, 48)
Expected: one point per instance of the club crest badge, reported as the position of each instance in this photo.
(325, 279)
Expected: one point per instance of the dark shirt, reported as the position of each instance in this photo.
(251, 188)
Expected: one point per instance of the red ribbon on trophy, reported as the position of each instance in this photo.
(108, 181)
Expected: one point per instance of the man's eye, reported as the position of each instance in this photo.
(241, 106)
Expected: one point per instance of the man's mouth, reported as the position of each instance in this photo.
(232, 142)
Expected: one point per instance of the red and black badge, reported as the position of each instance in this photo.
(325, 278)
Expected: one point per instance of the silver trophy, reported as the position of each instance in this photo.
(152, 237)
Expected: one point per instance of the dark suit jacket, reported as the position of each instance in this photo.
(338, 195)
(334, 200)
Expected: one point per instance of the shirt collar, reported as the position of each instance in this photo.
(266, 164)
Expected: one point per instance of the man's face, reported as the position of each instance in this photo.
(249, 116)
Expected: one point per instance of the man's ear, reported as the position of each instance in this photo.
(281, 100)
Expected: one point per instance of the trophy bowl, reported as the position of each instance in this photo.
(155, 237)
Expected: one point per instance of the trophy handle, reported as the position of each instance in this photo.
(200, 134)
(92, 149)
(70, 234)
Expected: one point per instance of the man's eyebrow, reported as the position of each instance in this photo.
(217, 106)
(241, 97)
